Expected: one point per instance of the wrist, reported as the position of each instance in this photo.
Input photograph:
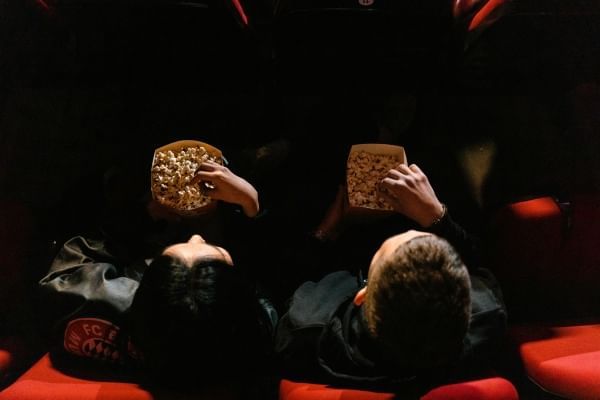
(438, 216)
(250, 206)
(251, 210)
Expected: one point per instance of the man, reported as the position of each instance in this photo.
(422, 315)
(187, 306)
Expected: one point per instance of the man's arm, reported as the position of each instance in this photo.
(408, 190)
(467, 245)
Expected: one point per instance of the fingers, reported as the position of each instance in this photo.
(206, 170)
(207, 174)
(205, 185)
(415, 168)
(394, 174)
(386, 183)
(209, 165)
(409, 175)
(202, 176)
(397, 178)
(388, 198)
(207, 180)
(402, 170)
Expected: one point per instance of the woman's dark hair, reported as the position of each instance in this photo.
(196, 323)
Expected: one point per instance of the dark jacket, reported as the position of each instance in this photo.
(323, 335)
(86, 296)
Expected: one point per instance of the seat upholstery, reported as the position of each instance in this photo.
(546, 258)
(12, 352)
(44, 382)
(549, 263)
(16, 227)
(491, 11)
(289, 390)
(484, 389)
(563, 360)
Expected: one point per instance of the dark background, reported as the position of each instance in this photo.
(87, 84)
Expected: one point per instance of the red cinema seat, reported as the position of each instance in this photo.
(478, 15)
(16, 226)
(563, 360)
(546, 256)
(548, 261)
(12, 353)
(44, 382)
(485, 389)
(488, 13)
(289, 390)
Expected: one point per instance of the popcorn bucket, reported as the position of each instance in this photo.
(366, 166)
(170, 171)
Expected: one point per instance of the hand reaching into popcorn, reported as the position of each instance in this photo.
(222, 184)
(408, 191)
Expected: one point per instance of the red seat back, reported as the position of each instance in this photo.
(494, 388)
(546, 255)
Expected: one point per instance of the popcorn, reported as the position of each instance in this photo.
(364, 172)
(171, 174)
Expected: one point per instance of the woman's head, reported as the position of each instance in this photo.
(192, 308)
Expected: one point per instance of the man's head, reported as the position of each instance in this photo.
(417, 301)
(193, 313)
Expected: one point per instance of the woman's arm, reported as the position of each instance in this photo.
(222, 184)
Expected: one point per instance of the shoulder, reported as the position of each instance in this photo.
(485, 292)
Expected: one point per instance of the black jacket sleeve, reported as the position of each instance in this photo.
(311, 309)
(488, 311)
(487, 324)
(465, 244)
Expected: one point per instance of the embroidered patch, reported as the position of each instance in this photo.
(94, 338)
